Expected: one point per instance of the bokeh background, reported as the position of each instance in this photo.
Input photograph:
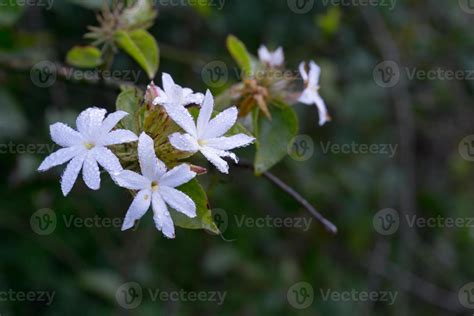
(373, 57)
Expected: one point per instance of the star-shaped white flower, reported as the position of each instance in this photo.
(310, 94)
(156, 186)
(207, 135)
(272, 59)
(87, 147)
(175, 94)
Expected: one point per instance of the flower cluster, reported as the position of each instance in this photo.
(310, 94)
(268, 82)
(88, 147)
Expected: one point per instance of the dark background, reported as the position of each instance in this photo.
(258, 267)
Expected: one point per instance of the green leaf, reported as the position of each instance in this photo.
(240, 54)
(203, 220)
(142, 47)
(10, 12)
(84, 57)
(130, 100)
(273, 136)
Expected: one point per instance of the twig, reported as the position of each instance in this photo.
(330, 227)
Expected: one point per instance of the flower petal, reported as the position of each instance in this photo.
(162, 217)
(64, 136)
(59, 157)
(323, 112)
(307, 97)
(168, 82)
(183, 142)
(227, 143)
(179, 201)
(303, 73)
(192, 98)
(90, 120)
(112, 119)
(107, 160)
(278, 57)
(177, 176)
(205, 113)
(314, 73)
(214, 158)
(181, 116)
(90, 172)
(141, 204)
(132, 180)
(119, 136)
(219, 125)
(162, 98)
(263, 54)
(151, 166)
(71, 172)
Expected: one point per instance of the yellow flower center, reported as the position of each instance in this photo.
(89, 146)
(154, 186)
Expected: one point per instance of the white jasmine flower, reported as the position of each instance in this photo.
(310, 94)
(273, 59)
(207, 135)
(156, 186)
(87, 147)
(175, 94)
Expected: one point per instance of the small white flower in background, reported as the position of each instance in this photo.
(156, 186)
(273, 59)
(207, 135)
(86, 147)
(174, 94)
(310, 94)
